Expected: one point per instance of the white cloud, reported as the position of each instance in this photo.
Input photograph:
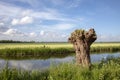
(47, 14)
(64, 35)
(2, 24)
(33, 34)
(16, 13)
(53, 36)
(63, 26)
(56, 27)
(20, 16)
(24, 20)
(13, 32)
(108, 37)
(42, 32)
(15, 22)
(10, 32)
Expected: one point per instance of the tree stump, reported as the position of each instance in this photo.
(82, 41)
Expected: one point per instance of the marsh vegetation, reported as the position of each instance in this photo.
(105, 70)
(47, 50)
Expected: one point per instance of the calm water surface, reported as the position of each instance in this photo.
(35, 64)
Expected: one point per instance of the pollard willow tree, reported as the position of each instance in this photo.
(82, 41)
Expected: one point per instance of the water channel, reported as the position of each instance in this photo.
(35, 64)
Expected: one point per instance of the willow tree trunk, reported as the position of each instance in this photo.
(81, 41)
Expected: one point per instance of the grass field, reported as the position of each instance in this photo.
(33, 45)
(52, 45)
(47, 50)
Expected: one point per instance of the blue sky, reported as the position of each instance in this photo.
(54, 20)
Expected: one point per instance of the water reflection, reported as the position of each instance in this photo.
(34, 64)
(99, 57)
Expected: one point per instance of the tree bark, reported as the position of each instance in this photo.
(82, 41)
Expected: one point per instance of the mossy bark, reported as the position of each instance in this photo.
(82, 41)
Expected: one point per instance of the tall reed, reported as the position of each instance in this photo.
(34, 52)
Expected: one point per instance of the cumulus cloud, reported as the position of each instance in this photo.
(10, 31)
(16, 12)
(20, 16)
(15, 22)
(24, 20)
(1, 24)
(25, 16)
(108, 37)
(51, 36)
(33, 34)
(13, 32)
(42, 32)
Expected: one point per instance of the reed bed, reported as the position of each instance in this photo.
(100, 49)
(42, 53)
(20, 50)
(105, 70)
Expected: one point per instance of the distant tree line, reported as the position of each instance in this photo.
(12, 41)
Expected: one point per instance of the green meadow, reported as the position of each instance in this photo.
(47, 50)
(53, 45)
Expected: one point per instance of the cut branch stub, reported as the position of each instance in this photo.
(77, 34)
(89, 36)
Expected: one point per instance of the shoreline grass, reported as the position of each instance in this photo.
(45, 53)
(42, 53)
(105, 70)
(48, 50)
